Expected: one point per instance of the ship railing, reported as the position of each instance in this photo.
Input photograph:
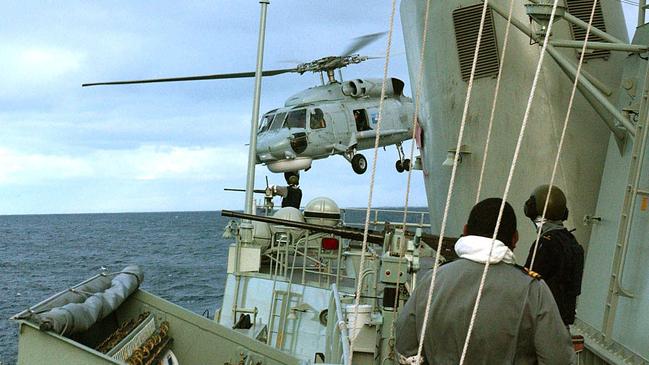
(305, 260)
(378, 217)
(338, 343)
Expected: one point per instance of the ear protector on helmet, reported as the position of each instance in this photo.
(292, 177)
(293, 180)
(530, 208)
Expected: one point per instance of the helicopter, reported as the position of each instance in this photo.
(335, 118)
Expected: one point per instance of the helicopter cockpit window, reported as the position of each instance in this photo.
(296, 119)
(360, 117)
(317, 120)
(265, 122)
(277, 121)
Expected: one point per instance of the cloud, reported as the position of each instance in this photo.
(144, 163)
(16, 168)
(36, 64)
(153, 163)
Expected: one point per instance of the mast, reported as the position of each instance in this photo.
(246, 228)
(250, 179)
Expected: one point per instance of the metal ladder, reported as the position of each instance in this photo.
(632, 191)
(275, 317)
(278, 326)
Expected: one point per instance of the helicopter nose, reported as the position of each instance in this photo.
(277, 147)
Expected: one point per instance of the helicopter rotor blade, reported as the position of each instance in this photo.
(362, 41)
(383, 57)
(292, 61)
(235, 75)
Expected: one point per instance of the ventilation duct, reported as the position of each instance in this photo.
(467, 25)
(582, 9)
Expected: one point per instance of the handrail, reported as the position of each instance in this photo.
(34, 308)
(382, 223)
(341, 324)
(325, 268)
(375, 216)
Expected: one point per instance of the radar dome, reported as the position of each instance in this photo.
(261, 234)
(322, 211)
(289, 214)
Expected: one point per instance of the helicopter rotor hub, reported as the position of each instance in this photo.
(330, 63)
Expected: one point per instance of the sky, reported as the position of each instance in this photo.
(176, 146)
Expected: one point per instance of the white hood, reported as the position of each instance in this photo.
(476, 248)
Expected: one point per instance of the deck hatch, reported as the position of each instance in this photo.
(467, 25)
(581, 9)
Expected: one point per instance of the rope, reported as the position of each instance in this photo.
(563, 132)
(495, 101)
(373, 175)
(509, 178)
(452, 182)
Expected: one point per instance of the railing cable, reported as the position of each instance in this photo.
(452, 181)
(373, 174)
(563, 133)
(509, 179)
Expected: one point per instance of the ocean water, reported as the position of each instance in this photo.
(182, 254)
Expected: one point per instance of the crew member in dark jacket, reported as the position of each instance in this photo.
(559, 257)
(291, 194)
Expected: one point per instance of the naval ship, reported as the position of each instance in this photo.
(304, 288)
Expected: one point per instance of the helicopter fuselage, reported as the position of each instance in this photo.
(338, 118)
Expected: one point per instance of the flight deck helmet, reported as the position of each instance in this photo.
(292, 178)
(557, 209)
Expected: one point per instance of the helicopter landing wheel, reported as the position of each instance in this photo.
(399, 166)
(359, 163)
(406, 164)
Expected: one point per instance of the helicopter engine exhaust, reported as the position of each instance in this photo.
(372, 87)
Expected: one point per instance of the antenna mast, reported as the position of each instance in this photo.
(250, 179)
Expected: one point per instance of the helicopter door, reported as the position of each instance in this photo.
(361, 120)
(338, 127)
(321, 133)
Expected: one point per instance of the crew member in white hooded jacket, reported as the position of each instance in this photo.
(517, 322)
